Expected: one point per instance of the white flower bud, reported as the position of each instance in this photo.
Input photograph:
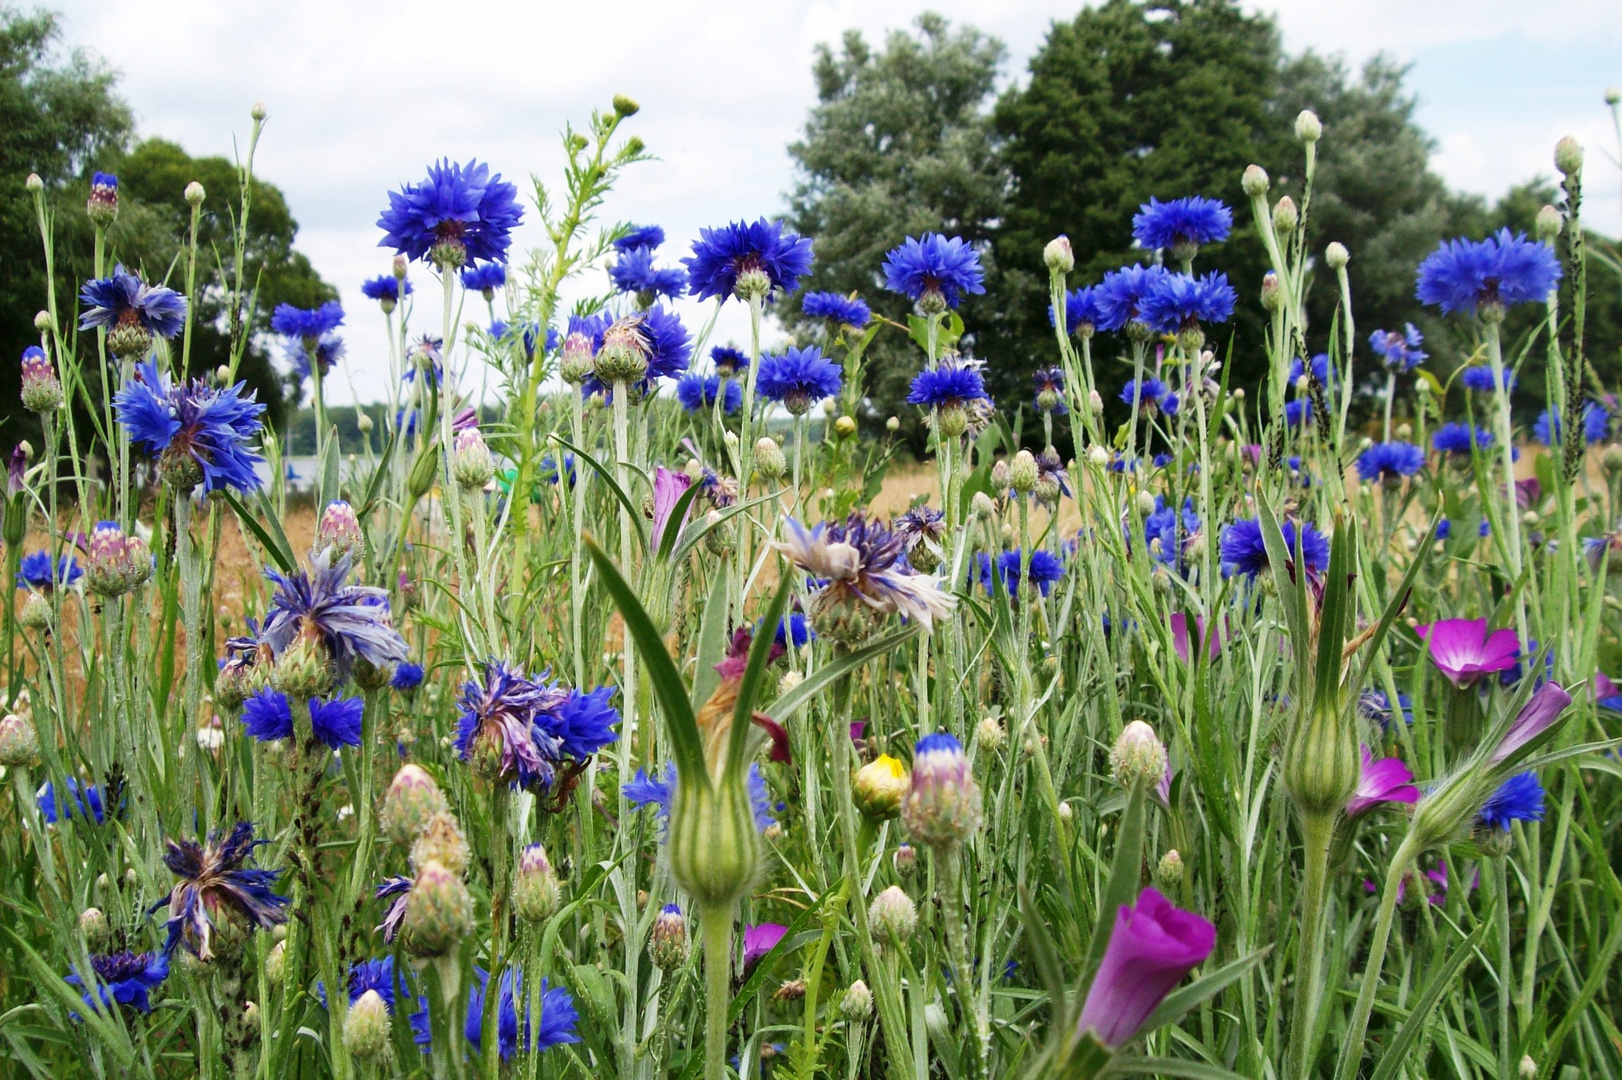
(258, 111)
(1337, 256)
(42, 321)
(1285, 215)
(1098, 455)
(1308, 128)
(1548, 223)
(893, 424)
(1139, 757)
(1058, 255)
(195, 193)
(1254, 182)
(1568, 156)
(34, 183)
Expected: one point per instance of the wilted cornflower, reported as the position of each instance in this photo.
(1596, 424)
(34, 571)
(747, 260)
(497, 730)
(1499, 272)
(320, 608)
(1480, 377)
(459, 215)
(1120, 298)
(867, 578)
(1399, 350)
(1457, 439)
(923, 530)
(935, 271)
(218, 896)
(837, 310)
(1152, 396)
(396, 890)
(553, 1026)
(132, 312)
(267, 715)
(124, 978)
(719, 491)
(697, 393)
(386, 289)
(1050, 390)
(798, 378)
(635, 273)
(307, 323)
(1081, 311)
(199, 433)
(1051, 479)
(485, 278)
(1003, 576)
(1390, 461)
(329, 349)
(1244, 552)
(71, 800)
(1181, 226)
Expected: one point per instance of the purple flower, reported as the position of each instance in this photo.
(352, 621)
(1181, 224)
(1183, 645)
(396, 890)
(863, 564)
(1503, 270)
(461, 214)
(668, 488)
(124, 978)
(761, 939)
(1399, 350)
(935, 265)
(1464, 651)
(1606, 694)
(1151, 948)
(721, 255)
(498, 725)
(1538, 715)
(1383, 780)
(215, 885)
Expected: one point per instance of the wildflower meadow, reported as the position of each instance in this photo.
(600, 726)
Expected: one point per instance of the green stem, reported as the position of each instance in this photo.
(1318, 832)
(1351, 1055)
(1500, 880)
(717, 929)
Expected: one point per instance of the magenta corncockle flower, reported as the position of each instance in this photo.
(1153, 945)
(668, 488)
(1535, 717)
(1384, 779)
(1464, 651)
(760, 940)
(1180, 639)
(857, 727)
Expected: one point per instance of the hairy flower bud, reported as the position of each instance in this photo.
(36, 613)
(893, 424)
(41, 390)
(905, 859)
(1528, 1069)
(752, 284)
(366, 1027)
(1170, 870)
(412, 801)
(857, 1004)
(989, 734)
(575, 363)
(438, 913)
(943, 803)
(34, 184)
(893, 916)
(769, 462)
(102, 206)
(1138, 757)
(1322, 762)
(471, 462)
(276, 963)
(1568, 156)
(1254, 182)
(1548, 223)
(625, 106)
(535, 888)
(1058, 255)
(714, 844)
(19, 742)
(1336, 255)
(441, 841)
(951, 420)
(339, 529)
(982, 507)
(1285, 216)
(879, 787)
(115, 563)
(845, 427)
(1022, 473)
(667, 943)
(1308, 128)
(304, 669)
(93, 924)
(195, 194)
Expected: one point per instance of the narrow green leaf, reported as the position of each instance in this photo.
(379, 474)
(613, 485)
(1442, 980)
(1398, 601)
(1188, 1070)
(1044, 951)
(695, 532)
(760, 652)
(272, 540)
(1126, 871)
(814, 683)
(1180, 1002)
(712, 640)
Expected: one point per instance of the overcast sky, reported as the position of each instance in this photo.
(363, 95)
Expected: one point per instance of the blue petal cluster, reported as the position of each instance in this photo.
(635, 273)
(798, 378)
(554, 1025)
(1120, 295)
(1505, 269)
(34, 571)
(1081, 310)
(729, 361)
(1192, 220)
(297, 322)
(1151, 395)
(124, 978)
(953, 383)
(645, 790)
(352, 621)
(459, 206)
(697, 393)
(640, 236)
(216, 884)
(1400, 350)
(836, 308)
(721, 254)
(83, 801)
(1045, 570)
(1596, 424)
(1176, 302)
(934, 263)
(209, 425)
(1520, 798)
(1172, 529)
(1453, 438)
(268, 716)
(1244, 552)
(407, 676)
(1390, 461)
(123, 299)
(485, 277)
(329, 349)
(1480, 377)
(384, 287)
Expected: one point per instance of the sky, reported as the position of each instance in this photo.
(361, 96)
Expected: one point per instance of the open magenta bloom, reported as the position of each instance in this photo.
(760, 940)
(1465, 651)
(1384, 779)
(1152, 947)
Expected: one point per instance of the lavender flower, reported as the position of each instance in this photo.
(200, 434)
(1536, 716)
(131, 311)
(862, 562)
(217, 894)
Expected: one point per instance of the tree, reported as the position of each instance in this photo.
(898, 144)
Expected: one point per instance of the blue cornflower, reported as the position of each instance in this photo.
(1045, 570)
(729, 361)
(293, 322)
(407, 676)
(1319, 368)
(936, 266)
(100, 179)
(635, 273)
(640, 236)
(216, 885)
(698, 393)
(1152, 395)
(352, 621)
(1503, 270)
(584, 723)
(1520, 798)
(1120, 295)
(952, 384)
(1181, 225)
(268, 716)
(485, 278)
(122, 302)
(200, 433)
(552, 1027)
(1596, 424)
(34, 571)
(1444, 529)
(519, 729)
(1390, 461)
(1244, 552)
(1081, 311)
(385, 289)
(83, 801)
(1375, 705)
(794, 627)
(459, 215)
(1399, 350)
(657, 333)
(761, 252)
(550, 473)
(1176, 302)
(365, 975)
(1480, 377)
(798, 378)
(1168, 532)
(124, 978)
(329, 349)
(836, 309)
(646, 790)
(1050, 390)
(530, 336)
(1458, 439)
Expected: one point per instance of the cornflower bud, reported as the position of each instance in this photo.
(115, 563)
(102, 206)
(93, 924)
(942, 807)
(951, 421)
(879, 787)
(576, 364)
(438, 913)
(1568, 156)
(1095, 402)
(19, 742)
(667, 944)
(1170, 870)
(441, 841)
(258, 111)
(1138, 757)
(789, 681)
(989, 734)
(1059, 256)
(366, 1027)
(339, 529)
(276, 963)
(1272, 291)
(845, 427)
(413, 799)
(42, 321)
(535, 888)
(195, 194)
(364, 422)
(1254, 182)
(857, 1004)
(893, 916)
(981, 506)
(714, 844)
(905, 859)
(1022, 473)
(1528, 1069)
(1146, 502)
(1308, 128)
(1285, 216)
(893, 424)
(36, 613)
(769, 462)
(1337, 256)
(1098, 455)
(304, 670)
(471, 462)
(1548, 223)
(41, 390)
(34, 184)
(999, 476)
(625, 106)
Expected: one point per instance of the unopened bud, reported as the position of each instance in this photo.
(893, 916)
(1308, 128)
(770, 464)
(34, 183)
(1548, 223)
(1254, 182)
(36, 613)
(1138, 757)
(857, 1004)
(943, 803)
(366, 1027)
(19, 741)
(1529, 1068)
(625, 106)
(276, 963)
(258, 111)
(413, 799)
(1337, 256)
(905, 859)
(535, 888)
(1568, 156)
(879, 787)
(1146, 502)
(441, 841)
(1098, 455)
(471, 461)
(1066, 813)
(438, 914)
(1613, 94)
(339, 531)
(1022, 473)
(893, 424)
(42, 321)
(93, 924)
(982, 507)
(1272, 291)
(845, 427)
(989, 734)
(1058, 255)
(1285, 216)
(195, 193)
(1170, 870)
(365, 423)
(667, 944)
